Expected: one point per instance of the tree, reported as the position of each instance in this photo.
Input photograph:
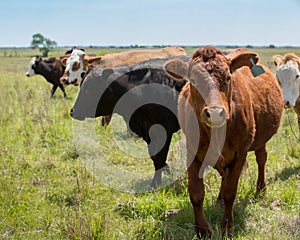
(42, 43)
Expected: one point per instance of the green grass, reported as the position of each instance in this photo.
(46, 191)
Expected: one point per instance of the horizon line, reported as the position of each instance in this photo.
(161, 46)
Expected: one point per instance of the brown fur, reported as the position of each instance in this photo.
(130, 58)
(253, 107)
(279, 60)
(75, 66)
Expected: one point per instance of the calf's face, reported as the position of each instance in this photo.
(209, 98)
(288, 75)
(211, 83)
(32, 65)
(74, 68)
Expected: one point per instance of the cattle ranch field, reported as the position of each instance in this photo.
(46, 192)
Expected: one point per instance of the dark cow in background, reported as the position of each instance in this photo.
(51, 69)
(150, 99)
(248, 108)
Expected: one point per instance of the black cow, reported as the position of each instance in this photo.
(143, 95)
(51, 69)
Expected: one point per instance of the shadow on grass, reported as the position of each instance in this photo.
(287, 172)
(178, 224)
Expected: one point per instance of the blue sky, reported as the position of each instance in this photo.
(155, 22)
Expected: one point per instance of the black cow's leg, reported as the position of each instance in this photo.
(63, 90)
(53, 90)
(159, 160)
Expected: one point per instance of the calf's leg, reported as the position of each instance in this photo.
(228, 193)
(106, 120)
(53, 90)
(261, 158)
(197, 194)
(299, 125)
(63, 90)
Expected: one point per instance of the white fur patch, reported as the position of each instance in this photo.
(30, 72)
(289, 77)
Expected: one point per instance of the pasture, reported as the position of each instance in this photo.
(46, 191)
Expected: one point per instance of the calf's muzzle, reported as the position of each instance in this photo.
(214, 117)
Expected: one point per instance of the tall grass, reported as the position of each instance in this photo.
(47, 193)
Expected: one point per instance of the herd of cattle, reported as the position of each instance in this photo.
(206, 93)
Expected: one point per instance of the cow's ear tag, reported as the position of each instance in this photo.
(256, 70)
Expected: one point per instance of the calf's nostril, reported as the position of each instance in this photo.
(222, 113)
(206, 111)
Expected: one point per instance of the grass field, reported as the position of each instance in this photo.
(46, 191)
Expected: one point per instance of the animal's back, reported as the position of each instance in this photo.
(265, 96)
(131, 58)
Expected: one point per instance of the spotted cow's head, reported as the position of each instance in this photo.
(76, 66)
(288, 75)
(32, 66)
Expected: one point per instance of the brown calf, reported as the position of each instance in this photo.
(236, 113)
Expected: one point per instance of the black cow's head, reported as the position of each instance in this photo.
(94, 97)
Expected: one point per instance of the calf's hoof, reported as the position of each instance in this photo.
(227, 229)
(203, 232)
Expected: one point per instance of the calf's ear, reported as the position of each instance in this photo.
(176, 69)
(90, 59)
(277, 59)
(64, 61)
(242, 60)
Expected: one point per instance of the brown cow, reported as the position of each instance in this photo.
(235, 113)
